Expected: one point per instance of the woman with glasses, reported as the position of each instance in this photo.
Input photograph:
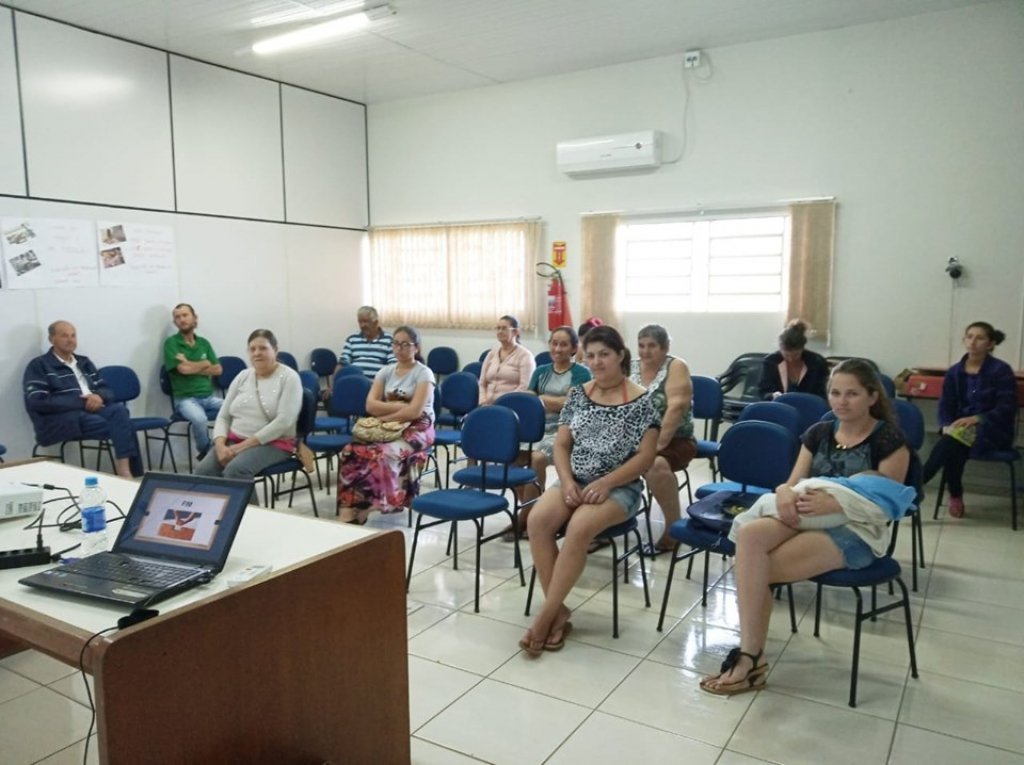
(508, 367)
(386, 476)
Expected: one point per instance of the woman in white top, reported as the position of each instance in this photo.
(256, 425)
(508, 367)
(386, 476)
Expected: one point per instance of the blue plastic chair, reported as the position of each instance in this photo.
(756, 456)
(460, 393)
(323, 361)
(544, 357)
(810, 407)
(443, 360)
(124, 384)
(231, 367)
(288, 360)
(474, 368)
(609, 536)
(271, 477)
(884, 570)
(3, 451)
(774, 411)
(1008, 457)
(531, 414)
(707, 406)
(175, 419)
(310, 381)
(484, 355)
(490, 434)
(348, 401)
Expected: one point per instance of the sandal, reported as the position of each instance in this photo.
(558, 645)
(532, 646)
(509, 535)
(650, 550)
(754, 680)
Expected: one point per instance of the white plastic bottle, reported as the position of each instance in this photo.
(92, 503)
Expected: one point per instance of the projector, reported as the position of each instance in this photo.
(17, 500)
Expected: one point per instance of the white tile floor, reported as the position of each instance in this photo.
(476, 697)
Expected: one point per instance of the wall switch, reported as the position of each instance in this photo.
(691, 59)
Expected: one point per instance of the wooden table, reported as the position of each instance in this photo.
(306, 665)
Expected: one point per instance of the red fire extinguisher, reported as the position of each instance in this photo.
(558, 301)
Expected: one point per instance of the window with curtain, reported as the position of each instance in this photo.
(454, 276)
(765, 260)
(704, 264)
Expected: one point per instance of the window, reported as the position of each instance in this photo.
(728, 263)
(454, 276)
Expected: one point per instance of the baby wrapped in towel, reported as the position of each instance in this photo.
(868, 499)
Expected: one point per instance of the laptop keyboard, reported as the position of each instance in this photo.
(120, 568)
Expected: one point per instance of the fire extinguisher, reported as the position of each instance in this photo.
(558, 301)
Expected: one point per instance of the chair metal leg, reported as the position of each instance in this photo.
(910, 628)
(412, 551)
(643, 569)
(529, 592)
(1013, 495)
(668, 586)
(615, 589)
(856, 645)
(817, 611)
(479, 523)
(707, 575)
(938, 496)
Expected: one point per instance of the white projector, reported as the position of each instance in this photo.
(17, 499)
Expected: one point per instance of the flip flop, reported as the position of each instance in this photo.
(754, 680)
(558, 645)
(532, 647)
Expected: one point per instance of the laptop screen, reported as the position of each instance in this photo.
(186, 518)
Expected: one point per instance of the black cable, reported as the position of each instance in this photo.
(88, 692)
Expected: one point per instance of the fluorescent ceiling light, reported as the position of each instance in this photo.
(317, 33)
(303, 12)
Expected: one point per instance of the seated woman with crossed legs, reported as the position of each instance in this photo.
(607, 438)
(770, 550)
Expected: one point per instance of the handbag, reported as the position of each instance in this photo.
(371, 430)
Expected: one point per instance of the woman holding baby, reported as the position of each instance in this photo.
(775, 549)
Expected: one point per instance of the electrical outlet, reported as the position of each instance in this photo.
(691, 59)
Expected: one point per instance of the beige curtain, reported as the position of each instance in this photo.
(454, 276)
(597, 291)
(812, 247)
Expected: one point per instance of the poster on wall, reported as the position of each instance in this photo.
(40, 253)
(135, 254)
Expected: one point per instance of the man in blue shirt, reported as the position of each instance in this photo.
(67, 399)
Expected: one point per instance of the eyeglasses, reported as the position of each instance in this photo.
(404, 346)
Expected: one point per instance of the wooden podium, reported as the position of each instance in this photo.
(306, 665)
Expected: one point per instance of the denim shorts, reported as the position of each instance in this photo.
(856, 552)
(627, 497)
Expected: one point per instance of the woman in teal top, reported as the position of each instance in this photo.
(551, 382)
(668, 383)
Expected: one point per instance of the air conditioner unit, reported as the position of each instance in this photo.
(610, 153)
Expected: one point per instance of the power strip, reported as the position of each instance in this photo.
(32, 556)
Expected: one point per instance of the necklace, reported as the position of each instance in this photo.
(848, 442)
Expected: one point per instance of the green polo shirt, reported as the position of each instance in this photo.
(188, 386)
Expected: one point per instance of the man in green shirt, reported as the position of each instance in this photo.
(191, 366)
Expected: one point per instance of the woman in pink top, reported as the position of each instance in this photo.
(508, 367)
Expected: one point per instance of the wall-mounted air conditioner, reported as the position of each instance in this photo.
(610, 153)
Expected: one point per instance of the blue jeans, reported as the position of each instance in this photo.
(199, 412)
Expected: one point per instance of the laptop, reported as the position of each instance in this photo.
(176, 536)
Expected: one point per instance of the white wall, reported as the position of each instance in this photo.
(108, 140)
(915, 126)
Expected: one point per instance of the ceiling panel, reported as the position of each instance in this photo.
(433, 46)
